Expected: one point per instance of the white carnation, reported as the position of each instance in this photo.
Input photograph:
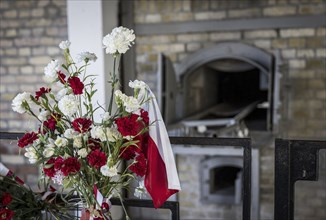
(50, 143)
(36, 142)
(107, 171)
(139, 89)
(98, 132)
(118, 93)
(64, 44)
(78, 141)
(119, 96)
(119, 40)
(70, 133)
(68, 105)
(31, 154)
(48, 152)
(19, 100)
(43, 115)
(61, 142)
(137, 84)
(104, 134)
(82, 153)
(51, 70)
(86, 56)
(112, 134)
(62, 93)
(129, 102)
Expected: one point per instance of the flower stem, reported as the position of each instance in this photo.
(112, 86)
(80, 106)
(116, 60)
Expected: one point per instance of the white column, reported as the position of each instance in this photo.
(88, 22)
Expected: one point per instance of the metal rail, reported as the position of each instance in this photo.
(245, 143)
(145, 203)
(141, 203)
(10, 135)
(294, 160)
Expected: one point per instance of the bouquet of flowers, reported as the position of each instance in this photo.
(96, 159)
(19, 201)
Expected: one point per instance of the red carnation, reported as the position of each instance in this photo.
(81, 124)
(129, 152)
(61, 77)
(50, 123)
(144, 116)
(41, 92)
(93, 144)
(27, 139)
(58, 163)
(129, 125)
(76, 85)
(139, 168)
(50, 171)
(96, 159)
(6, 198)
(6, 214)
(70, 165)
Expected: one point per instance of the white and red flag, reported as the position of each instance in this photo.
(161, 179)
(98, 196)
(4, 171)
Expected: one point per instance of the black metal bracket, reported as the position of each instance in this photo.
(10, 135)
(294, 160)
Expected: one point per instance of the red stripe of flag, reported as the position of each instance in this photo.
(156, 181)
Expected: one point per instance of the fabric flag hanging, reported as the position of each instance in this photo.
(161, 179)
(98, 196)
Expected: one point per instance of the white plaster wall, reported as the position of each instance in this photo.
(88, 22)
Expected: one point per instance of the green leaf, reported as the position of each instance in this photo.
(67, 183)
(47, 166)
(52, 96)
(65, 67)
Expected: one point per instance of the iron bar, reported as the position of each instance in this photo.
(294, 160)
(10, 135)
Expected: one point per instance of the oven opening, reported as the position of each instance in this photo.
(224, 180)
(231, 86)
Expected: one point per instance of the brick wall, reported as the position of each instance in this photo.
(153, 11)
(303, 84)
(30, 32)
